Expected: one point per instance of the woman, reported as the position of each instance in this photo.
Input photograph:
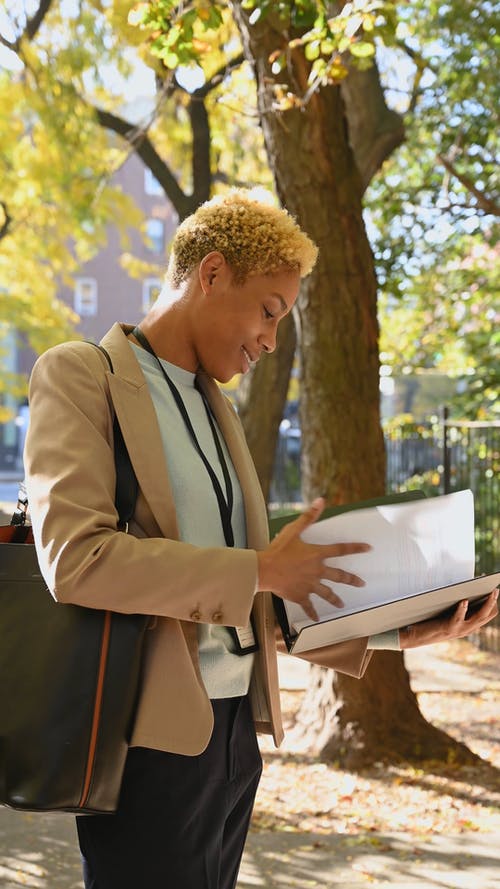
(197, 555)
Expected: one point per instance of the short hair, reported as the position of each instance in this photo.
(255, 238)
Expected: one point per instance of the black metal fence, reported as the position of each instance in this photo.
(439, 456)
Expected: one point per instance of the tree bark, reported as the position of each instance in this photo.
(366, 722)
(318, 181)
(374, 129)
(321, 183)
(261, 399)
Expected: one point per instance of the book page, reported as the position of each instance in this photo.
(417, 545)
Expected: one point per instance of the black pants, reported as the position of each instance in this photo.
(182, 821)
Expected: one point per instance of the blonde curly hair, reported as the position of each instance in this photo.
(255, 238)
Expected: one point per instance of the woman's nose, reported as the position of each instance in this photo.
(268, 340)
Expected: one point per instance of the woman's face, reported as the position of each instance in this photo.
(238, 322)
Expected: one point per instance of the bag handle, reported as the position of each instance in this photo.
(126, 479)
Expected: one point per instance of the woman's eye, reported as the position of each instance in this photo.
(267, 313)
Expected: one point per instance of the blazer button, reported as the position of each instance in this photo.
(196, 615)
(217, 617)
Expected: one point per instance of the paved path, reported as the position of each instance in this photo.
(40, 851)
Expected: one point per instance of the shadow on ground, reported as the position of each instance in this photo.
(285, 860)
(40, 852)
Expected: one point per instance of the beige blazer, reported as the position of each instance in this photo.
(86, 560)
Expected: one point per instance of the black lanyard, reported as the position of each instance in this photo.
(225, 502)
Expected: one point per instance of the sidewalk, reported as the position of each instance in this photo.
(40, 851)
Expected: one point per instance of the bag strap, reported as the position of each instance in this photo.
(126, 479)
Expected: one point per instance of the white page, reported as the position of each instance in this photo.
(418, 545)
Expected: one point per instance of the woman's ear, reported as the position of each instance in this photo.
(211, 270)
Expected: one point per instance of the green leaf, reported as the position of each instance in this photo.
(362, 50)
(312, 50)
(215, 18)
(318, 70)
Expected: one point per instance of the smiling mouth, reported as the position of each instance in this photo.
(251, 361)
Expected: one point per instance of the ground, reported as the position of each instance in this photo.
(457, 687)
(319, 827)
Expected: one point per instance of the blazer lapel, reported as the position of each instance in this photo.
(139, 424)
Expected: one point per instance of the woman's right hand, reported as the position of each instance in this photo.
(293, 569)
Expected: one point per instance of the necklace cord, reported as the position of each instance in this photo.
(225, 503)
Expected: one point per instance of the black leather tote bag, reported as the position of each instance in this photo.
(69, 679)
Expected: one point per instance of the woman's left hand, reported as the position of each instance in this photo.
(442, 629)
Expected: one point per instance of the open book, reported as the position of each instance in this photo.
(421, 563)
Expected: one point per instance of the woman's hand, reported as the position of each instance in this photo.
(441, 629)
(293, 569)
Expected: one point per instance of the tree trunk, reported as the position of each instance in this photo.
(321, 184)
(357, 723)
(261, 400)
(318, 181)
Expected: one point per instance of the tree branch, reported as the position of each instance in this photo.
(375, 131)
(421, 65)
(219, 76)
(34, 23)
(4, 229)
(31, 28)
(8, 44)
(200, 128)
(200, 157)
(138, 139)
(485, 203)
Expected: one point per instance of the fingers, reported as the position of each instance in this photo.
(337, 575)
(493, 598)
(329, 595)
(462, 625)
(326, 593)
(487, 612)
(310, 515)
(309, 609)
(295, 569)
(330, 551)
(307, 605)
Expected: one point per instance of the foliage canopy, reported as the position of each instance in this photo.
(430, 209)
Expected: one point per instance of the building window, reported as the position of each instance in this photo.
(86, 297)
(151, 184)
(150, 291)
(155, 231)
